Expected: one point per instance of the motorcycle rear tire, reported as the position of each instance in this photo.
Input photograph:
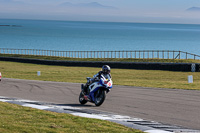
(82, 99)
(103, 96)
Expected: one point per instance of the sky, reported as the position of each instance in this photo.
(153, 11)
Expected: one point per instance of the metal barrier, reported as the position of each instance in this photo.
(137, 54)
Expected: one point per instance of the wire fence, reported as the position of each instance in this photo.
(137, 54)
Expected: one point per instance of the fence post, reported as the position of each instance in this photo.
(143, 54)
(168, 54)
(82, 54)
(186, 55)
(139, 54)
(136, 54)
(153, 54)
(163, 54)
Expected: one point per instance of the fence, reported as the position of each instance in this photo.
(138, 54)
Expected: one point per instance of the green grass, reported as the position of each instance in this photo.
(103, 59)
(130, 77)
(15, 118)
(18, 119)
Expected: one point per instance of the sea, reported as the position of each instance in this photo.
(98, 36)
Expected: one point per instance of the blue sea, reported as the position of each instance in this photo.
(98, 36)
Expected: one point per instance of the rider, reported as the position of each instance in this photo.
(105, 71)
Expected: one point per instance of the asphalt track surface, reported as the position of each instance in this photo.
(169, 106)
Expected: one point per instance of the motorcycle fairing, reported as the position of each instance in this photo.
(93, 88)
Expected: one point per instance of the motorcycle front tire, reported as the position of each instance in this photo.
(101, 97)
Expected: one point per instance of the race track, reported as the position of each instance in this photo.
(169, 106)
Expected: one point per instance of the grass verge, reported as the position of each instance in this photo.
(130, 77)
(18, 119)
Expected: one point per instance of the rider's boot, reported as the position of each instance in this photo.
(84, 88)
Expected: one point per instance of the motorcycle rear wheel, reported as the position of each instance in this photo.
(82, 99)
(99, 99)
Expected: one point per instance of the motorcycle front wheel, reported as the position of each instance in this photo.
(82, 99)
(100, 97)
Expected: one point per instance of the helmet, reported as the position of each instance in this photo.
(106, 69)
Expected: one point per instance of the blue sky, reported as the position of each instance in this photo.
(156, 11)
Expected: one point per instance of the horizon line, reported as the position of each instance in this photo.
(33, 19)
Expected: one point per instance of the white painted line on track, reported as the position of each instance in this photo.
(91, 116)
(2, 100)
(36, 106)
(156, 131)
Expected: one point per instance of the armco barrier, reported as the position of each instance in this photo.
(186, 67)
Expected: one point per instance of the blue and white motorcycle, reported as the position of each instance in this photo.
(96, 92)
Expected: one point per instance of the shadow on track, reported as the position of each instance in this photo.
(75, 105)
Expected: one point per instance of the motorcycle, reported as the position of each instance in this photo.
(96, 92)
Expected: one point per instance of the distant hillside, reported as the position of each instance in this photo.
(194, 9)
(87, 5)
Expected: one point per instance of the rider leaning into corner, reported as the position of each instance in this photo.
(105, 71)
